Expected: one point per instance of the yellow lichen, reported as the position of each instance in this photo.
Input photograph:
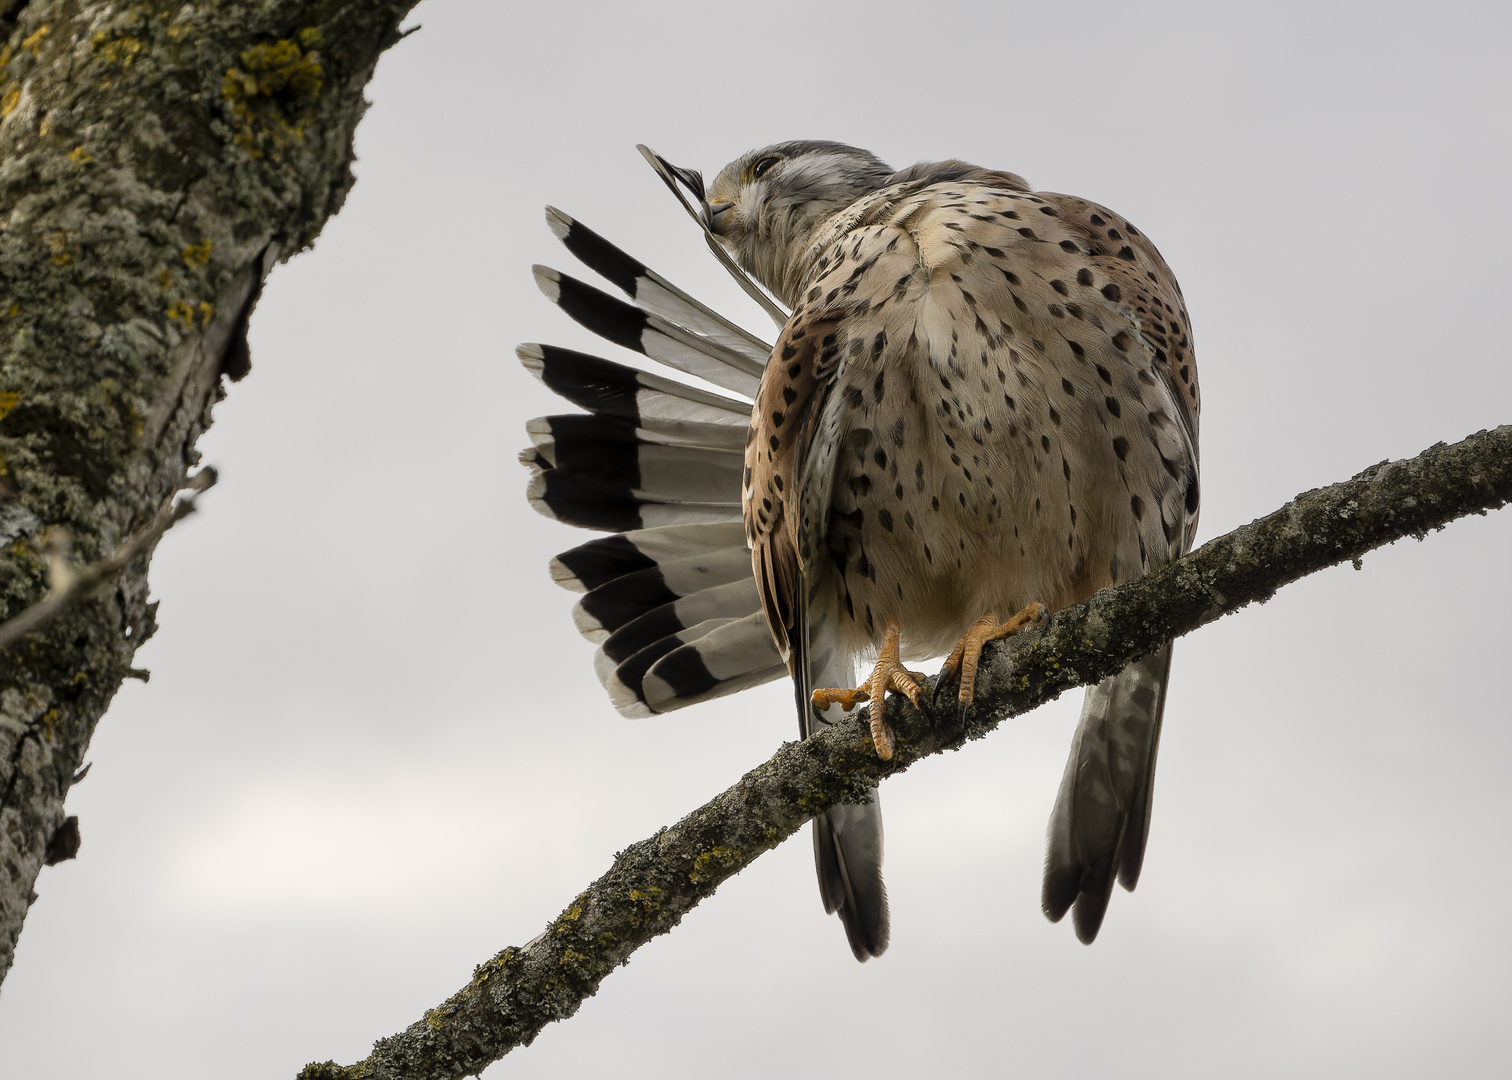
(181, 312)
(80, 156)
(9, 99)
(268, 70)
(206, 310)
(34, 43)
(271, 83)
(121, 51)
(576, 963)
(9, 399)
(197, 254)
(709, 862)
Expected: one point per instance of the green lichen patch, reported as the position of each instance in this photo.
(501, 964)
(718, 862)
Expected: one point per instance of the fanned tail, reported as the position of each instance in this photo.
(652, 291)
(847, 838)
(1102, 813)
(670, 601)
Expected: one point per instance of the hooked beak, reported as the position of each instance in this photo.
(715, 212)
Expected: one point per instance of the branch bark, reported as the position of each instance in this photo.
(654, 882)
(68, 585)
(156, 160)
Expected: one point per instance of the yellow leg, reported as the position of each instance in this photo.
(889, 674)
(968, 651)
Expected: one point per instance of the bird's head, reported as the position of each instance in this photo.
(767, 204)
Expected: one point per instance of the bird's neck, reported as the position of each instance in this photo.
(781, 255)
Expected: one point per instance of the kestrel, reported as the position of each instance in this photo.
(982, 407)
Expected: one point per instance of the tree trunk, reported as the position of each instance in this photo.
(156, 161)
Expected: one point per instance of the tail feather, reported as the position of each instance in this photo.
(847, 838)
(645, 472)
(1102, 812)
(604, 387)
(734, 600)
(568, 434)
(570, 496)
(620, 601)
(709, 659)
(598, 562)
(650, 335)
(652, 291)
(730, 657)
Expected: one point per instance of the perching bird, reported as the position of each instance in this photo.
(984, 405)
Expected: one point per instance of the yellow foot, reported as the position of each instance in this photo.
(889, 674)
(968, 651)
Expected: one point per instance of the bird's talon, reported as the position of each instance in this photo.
(846, 699)
(934, 698)
(968, 651)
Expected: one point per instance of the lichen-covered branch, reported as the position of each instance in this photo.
(653, 883)
(156, 160)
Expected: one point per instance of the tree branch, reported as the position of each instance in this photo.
(654, 882)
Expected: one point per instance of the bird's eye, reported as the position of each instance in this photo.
(762, 167)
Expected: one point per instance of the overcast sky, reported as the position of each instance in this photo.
(373, 751)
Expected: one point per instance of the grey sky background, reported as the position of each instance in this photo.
(373, 751)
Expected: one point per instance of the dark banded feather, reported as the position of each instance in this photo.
(625, 598)
(598, 562)
(660, 463)
(604, 387)
(546, 432)
(733, 600)
(652, 291)
(648, 334)
(650, 472)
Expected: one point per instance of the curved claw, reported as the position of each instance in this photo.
(940, 681)
(889, 674)
(967, 654)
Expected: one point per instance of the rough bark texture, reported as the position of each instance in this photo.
(654, 882)
(156, 160)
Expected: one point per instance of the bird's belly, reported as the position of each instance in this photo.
(934, 533)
